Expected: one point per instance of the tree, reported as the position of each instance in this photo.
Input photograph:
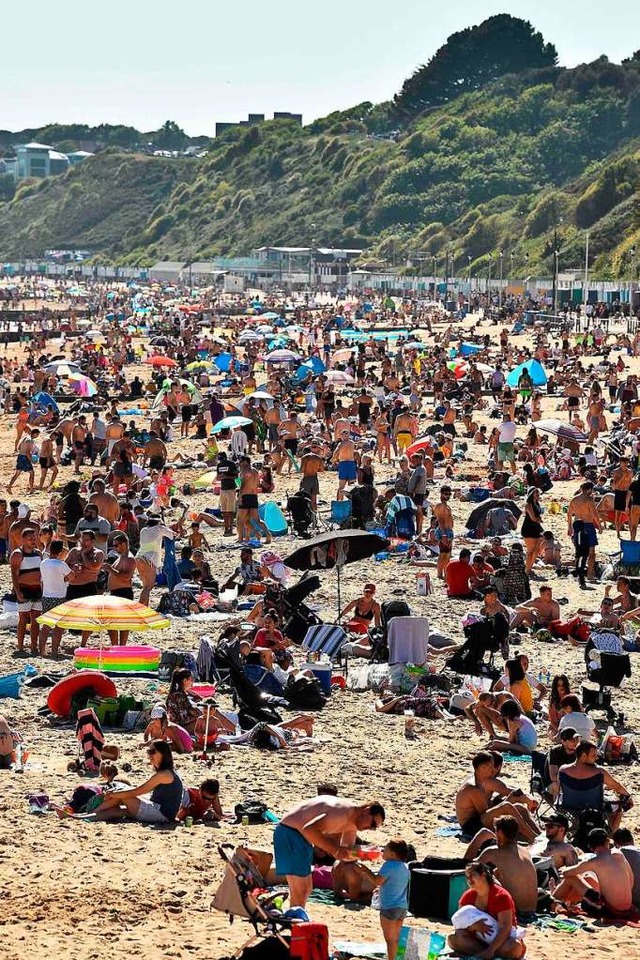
(170, 137)
(474, 57)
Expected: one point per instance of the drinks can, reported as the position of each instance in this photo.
(188, 821)
(245, 821)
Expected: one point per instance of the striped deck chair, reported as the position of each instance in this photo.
(325, 638)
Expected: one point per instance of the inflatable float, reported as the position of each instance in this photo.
(127, 659)
(90, 682)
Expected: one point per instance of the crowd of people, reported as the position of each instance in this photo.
(395, 426)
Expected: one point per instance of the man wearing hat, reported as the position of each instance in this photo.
(564, 854)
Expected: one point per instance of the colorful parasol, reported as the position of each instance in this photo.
(103, 613)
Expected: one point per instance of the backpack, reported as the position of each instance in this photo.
(252, 809)
(304, 693)
(588, 819)
(173, 659)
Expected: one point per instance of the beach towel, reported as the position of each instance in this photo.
(90, 737)
(408, 639)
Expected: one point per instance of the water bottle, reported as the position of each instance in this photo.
(436, 945)
(375, 899)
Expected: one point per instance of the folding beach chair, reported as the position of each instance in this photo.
(540, 781)
(340, 515)
(626, 562)
(325, 638)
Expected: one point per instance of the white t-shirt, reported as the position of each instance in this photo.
(151, 543)
(53, 573)
(507, 431)
(581, 723)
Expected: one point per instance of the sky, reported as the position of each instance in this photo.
(141, 62)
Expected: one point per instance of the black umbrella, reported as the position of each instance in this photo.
(479, 513)
(335, 549)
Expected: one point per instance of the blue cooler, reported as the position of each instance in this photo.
(322, 673)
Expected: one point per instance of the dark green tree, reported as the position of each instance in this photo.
(474, 57)
(170, 137)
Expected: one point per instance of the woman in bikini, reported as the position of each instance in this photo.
(363, 611)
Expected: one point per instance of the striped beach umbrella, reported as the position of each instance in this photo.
(103, 613)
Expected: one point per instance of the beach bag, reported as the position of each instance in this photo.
(252, 809)
(173, 659)
(304, 693)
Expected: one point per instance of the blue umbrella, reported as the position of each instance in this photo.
(223, 362)
(230, 423)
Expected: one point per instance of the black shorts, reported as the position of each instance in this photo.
(471, 826)
(187, 413)
(156, 463)
(620, 500)
(75, 590)
(248, 501)
(291, 444)
(418, 498)
(125, 592)
(573, 402)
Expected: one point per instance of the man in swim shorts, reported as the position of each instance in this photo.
(330, 823)
(344, 456)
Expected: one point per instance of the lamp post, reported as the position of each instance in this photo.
(435, 264)
(634, 273)
(511, 259)
(469, 272)
(501, 255)
(556, 255)
(489, 284)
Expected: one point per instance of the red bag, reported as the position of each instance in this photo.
(309, 941)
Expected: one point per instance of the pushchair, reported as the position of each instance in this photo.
(301, 513)
(236, 896)
(486, 636)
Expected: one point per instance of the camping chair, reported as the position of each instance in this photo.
(626, 562)
(245, 873)
(327, 639)
(614, 667)
(539, 781)
(583, 803)
(340, 515)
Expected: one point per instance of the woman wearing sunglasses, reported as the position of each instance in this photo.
(164, 786)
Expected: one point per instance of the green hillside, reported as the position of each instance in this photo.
(497, 168)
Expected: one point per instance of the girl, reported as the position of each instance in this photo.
(501, 938)
(182, 706)
(559, 688)
(531, 527)
(159, 728)
(394, 900)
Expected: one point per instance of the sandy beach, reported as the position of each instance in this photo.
(87, 890)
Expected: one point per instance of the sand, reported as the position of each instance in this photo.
(86, 890)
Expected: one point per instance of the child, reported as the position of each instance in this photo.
(197, 540)
(394, 899)
(203, 802)
(9, 740)
(159, 728)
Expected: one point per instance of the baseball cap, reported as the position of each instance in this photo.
(559, 819)
(568, 733)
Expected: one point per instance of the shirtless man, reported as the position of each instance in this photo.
(537, 612)
(107, 504)
(405, 430)
(515, 869)
(289, 431)
(573, 392)
(114, 432)
(22, 521)
(621, 480)
(345, 457)
(154, 452)
(78, 442)
(340, 421)
(562, 852)
(120, 572)
(444, 530)
(331, 823)
(311, 464)
(271, 418)
(602, 884)
(248, 520)
(24, 459)
(582, 523)
(472, 801)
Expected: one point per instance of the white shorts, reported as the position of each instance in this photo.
(31, 606)
(149, 812)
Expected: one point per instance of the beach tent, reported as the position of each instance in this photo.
(536, 372)
(468, 349)
(44, 400)
(273, 518)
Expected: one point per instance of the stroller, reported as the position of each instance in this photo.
(296, 615)
(488, 635)
(253, 705)
(301, 513)
(245, 873)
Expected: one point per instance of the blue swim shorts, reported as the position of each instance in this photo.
(294, 854)
(587, 535)
(347, 470)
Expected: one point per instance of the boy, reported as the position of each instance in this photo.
(202, 803)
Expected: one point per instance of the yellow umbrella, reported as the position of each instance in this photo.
(103, 613)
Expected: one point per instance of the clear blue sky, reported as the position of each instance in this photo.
(141, 62)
